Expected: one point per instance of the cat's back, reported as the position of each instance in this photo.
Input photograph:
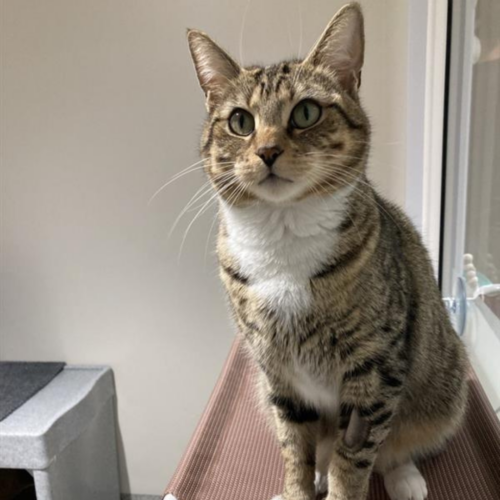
(435, 354)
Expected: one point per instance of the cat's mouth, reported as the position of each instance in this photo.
(273, 179)
(275, 188)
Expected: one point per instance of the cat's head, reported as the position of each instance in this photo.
(287, 131)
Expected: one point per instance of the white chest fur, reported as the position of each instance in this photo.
(279, 248)
(320, 394)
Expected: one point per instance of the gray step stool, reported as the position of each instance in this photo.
(65, 436)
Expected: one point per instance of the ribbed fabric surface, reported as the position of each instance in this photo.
(234, 456)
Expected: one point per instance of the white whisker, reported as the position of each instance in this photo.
(207, 243)
(347, 212)
(188, 170)
(243, 21)
(300, 29)
(200, 212)
(289, 30)
(182, 173)
(207, 187)
(339, 173)
(342, 156)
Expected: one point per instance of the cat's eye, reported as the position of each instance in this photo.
(241, 122)
(305, 114)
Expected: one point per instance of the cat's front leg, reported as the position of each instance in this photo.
(348, 475)
(296, 428)
(355, 451)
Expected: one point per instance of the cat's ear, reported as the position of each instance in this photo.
(341, 46)
(214, 67)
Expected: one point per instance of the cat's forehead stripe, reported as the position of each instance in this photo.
(273, 88)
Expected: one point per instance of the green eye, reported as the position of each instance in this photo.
(305, 114)
(241, 122)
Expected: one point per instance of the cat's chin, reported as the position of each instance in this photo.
(277, 190)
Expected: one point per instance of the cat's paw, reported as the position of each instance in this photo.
(405, 483)
(320, 483)
(277, 497)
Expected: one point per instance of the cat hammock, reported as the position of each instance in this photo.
(234, 456)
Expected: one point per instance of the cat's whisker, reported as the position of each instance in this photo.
(192, 207)
(334, 155)
(200, 193)
(215, 218)
(207, 243)
(289, 29)
(327, 168)
(197, 207)
(242, 30)
(194, 164)
(339, 156)
(200, 212)
(182, 173)
(234, 195)
(339, 173)
(191, 168)
(298, 74)
(239, 191)
(301, 28)
(207, 187)
(367, 143)
(190, 225)
(342, 156)
(378, 144)
(316, 190)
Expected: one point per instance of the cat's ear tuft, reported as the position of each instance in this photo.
(214, 67)
(341, 46)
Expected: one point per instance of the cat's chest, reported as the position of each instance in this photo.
(279, 272)
(322, 393)
(279, 249)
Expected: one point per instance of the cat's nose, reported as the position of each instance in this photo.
(269, 154)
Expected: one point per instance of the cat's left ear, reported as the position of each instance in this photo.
(341, 47)
(214, 67)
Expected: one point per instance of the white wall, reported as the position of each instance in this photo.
(99, 107)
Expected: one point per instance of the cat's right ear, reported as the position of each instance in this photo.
(214, 67)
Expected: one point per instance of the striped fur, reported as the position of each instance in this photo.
(328, 282)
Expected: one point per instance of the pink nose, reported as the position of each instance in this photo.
(269, 154)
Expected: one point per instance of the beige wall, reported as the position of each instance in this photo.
(100, 106)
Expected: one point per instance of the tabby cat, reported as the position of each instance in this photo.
(329, 283)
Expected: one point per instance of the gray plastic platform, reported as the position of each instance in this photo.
(65, 436)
